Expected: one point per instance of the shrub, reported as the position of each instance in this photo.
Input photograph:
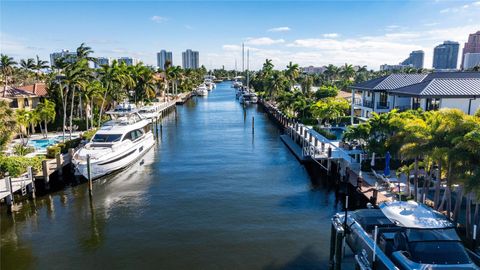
(16, 165)
(70, 144)
(53, 150)
(325, 133)
(87, 135)
(22, 150)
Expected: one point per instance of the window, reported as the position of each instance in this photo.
(433, 104)
(415, 103)
(25, 102)
(383, 98)
(106, 137)
(14, 103)
(128, 136)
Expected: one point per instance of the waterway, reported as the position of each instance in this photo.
(211, 195)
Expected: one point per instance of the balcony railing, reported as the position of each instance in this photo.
(363, 103)
(383, 105)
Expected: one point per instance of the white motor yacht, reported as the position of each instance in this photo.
(201, 90)
(117, 144)
(209, 84)
(151, 111)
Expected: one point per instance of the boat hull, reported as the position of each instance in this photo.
(102, 167)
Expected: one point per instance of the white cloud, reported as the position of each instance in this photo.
(263, 41)
(331, 35)
(158, 19)
(279, 29)
(476, 3)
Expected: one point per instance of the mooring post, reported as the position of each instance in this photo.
(253, 124)
(9, 199)
(333, 237)
(58, 159)
(46, 177)
(89, 174)
(31, 187)
(338, 250)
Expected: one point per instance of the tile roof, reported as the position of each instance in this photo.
(443, 87)
(15, 92)
(395, 81)
(39, 89)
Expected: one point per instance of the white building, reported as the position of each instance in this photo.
(471, 60)
(66, 55)
(432, 91)
(190, 59)
(312, 70)
(102, 61)
(129, 61)
(162, 57)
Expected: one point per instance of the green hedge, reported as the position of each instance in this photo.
(53, 150)
(16, 165)
(87, 135)
(325, 133)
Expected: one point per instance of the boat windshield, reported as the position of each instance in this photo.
(442, 252)
(106, 138)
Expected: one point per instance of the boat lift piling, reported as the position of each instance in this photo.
(89, 173)
(253, 124)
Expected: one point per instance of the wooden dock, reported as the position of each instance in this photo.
(309, 146)
(25, 185)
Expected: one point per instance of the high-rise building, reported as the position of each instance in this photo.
(471, 46)
(445, 56)
(415, 59)
(102, 61)
(162, 57)
(190, 59)
(471, 60)
(312, 70)
(66, 55)
(129, 61)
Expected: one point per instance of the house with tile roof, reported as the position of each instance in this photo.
(24, 97)
(431, 91)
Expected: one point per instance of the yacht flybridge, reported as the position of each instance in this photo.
(400, 235)
(117, 144)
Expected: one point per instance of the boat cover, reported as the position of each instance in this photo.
(414, 215)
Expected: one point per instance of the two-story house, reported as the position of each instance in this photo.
(24, 97)
(431, 91)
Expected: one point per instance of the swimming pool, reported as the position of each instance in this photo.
(337, 131)
(42, 144)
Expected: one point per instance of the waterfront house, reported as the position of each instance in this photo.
(430, 91)
(24, 97)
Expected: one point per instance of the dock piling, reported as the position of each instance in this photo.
(89, 174)
(31, 187)
(9, 200)
(46, 176)
(253, 124)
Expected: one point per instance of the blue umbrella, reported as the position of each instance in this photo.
(386, 172)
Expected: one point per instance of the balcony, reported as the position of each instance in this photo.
(383, 105)
(363, 103)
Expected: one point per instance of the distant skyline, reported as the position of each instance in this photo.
(308, 33)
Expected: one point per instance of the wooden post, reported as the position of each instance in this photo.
(58, 158)
(253, 124)
(71, 152)
(46, 177)
(338, 250)
(9, 199)
(89, 174)
(31, 187)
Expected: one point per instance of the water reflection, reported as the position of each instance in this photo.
(211, 195)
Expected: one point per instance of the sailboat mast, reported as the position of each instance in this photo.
(248, 68)
(243, 58)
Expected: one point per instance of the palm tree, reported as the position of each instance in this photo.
(292, 73)
(39, 65)
(331, 72)
(7, 123)
(83, 52)
(23, 121)
(6, 66)
(277, 84)
(28, 64)
(46, 112)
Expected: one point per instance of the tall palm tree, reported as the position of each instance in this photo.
(6, 66)
(39, 65)
(292, 73)
(46, 112)
(28, 64)
(7, 123)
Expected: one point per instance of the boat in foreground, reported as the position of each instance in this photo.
(117, 144)
(400, 235)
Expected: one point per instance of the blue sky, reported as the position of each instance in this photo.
(306, 32)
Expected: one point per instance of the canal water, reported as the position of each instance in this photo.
(210, 195)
